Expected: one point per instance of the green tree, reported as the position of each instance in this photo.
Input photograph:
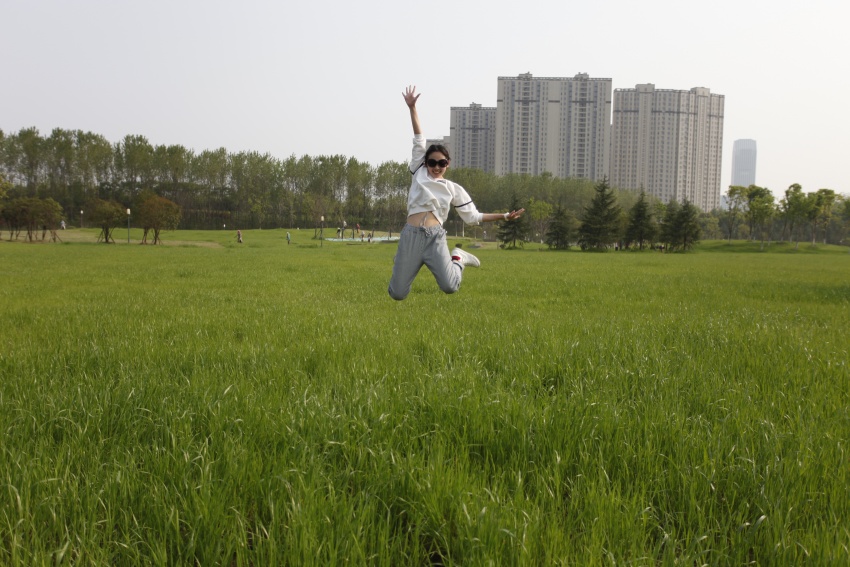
(736, 198)
(760, 210)
(93, 168)
(392, 181)
(134, 164)
(560, 231)
(688, 227)
(156, 214)
(641, 228)
(35, 215)
(539, 213)
(49, 215)
(709, 224)
(11, 215)
(681, 228)
(359, 182)
(60, 157)
(515, 231)
(600, 223)
(25, 155)
(17, 215)
(5, 187)
(107, 215)
(794, 210)
(211, 171)
(669, 230)
(825, 202)
(812, 213)
(755, 199)
(843, 209)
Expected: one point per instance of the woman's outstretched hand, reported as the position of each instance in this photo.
(410, 96)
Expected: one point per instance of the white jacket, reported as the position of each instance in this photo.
(436, 195)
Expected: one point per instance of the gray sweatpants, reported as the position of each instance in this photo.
(423, 245)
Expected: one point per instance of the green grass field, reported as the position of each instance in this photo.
(208, 403)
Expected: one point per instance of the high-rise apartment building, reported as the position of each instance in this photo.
(668, 143)
(744, 163)
(444, 141)
(473, 135)
(556, 125)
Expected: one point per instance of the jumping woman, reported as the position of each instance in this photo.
(423, 239)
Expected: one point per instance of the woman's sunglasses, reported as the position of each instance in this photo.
(435, 163)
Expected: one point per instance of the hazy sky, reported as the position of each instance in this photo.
(319, 77)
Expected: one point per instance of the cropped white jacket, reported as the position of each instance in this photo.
(436, 195)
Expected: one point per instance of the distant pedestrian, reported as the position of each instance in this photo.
(62, 224)
(239, 236)
(288, 237)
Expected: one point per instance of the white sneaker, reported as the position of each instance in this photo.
(466, 258)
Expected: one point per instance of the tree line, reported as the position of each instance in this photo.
(604, 224)
(754, 212)
(213, 189)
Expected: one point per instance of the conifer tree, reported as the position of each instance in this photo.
(600, 224)
(560, 229)
(669, 225)
(688, 225)
(642, 228)
(515, 231)
(680, 229)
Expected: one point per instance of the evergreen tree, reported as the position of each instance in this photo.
(641, 227)
(560, 229)
(688, 225)
(680, 230)
(669, 225)
(514, 231)
(600, 225)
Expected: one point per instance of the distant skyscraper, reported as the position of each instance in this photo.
(473, 135)
(744, 163)
(556, 125)
(668, 143)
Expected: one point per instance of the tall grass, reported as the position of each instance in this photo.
(270, 404)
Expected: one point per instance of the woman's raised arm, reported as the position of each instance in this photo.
(410, 98)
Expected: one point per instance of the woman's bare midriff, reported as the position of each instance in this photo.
(423, 219)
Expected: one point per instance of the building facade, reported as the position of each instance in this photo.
(668, 143)
(744, 153)
(557, 125)
(473, 137)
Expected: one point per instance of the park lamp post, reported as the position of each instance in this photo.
(128, 226)
(322, 232)
(81, 218)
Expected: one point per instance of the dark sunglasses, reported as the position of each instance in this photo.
(435, 163)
